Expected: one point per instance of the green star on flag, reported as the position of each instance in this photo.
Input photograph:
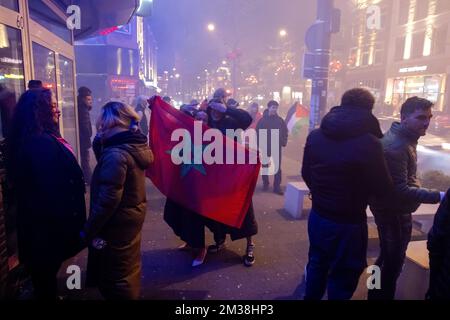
(187, 167)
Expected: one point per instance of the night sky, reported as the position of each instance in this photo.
(250, 25)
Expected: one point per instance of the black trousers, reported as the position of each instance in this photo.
(394, 232)
(85, 166)
(44, 280)
(277, 177)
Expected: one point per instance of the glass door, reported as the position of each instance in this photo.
(14, 71)
(53, 62)
(12, 60)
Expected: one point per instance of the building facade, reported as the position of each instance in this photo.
(419, 55)
(119, 63)
(406, 54)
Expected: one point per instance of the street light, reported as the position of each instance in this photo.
(283, 33)
(211, 27)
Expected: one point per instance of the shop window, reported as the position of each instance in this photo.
(403, 12)
(421, 11)
(10, 4)
(399, 48)
(440, 39)
(44, 66)
(11, 60)
(47, 18)
(67, 101)
(417, 44)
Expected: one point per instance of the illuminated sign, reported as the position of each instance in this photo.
(413, 69)
(10, 60)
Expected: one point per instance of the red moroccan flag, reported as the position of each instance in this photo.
(222, 192)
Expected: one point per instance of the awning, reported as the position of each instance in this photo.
(101, 14)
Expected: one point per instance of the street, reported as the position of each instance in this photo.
(281, 253)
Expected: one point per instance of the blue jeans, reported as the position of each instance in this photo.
(394, 231)
(337, 258)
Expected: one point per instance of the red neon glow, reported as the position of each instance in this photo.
(107, 31)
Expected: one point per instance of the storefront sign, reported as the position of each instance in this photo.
(413, 69)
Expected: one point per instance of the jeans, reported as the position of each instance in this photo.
(337, 258)
(394, 232)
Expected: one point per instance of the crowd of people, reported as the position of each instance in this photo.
(348, 165)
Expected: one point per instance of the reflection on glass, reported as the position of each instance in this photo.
(44, 66)
(10, 4)
(67, 101)
(12, 83)
(45, 16)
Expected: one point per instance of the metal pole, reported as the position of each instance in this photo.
(319, 90)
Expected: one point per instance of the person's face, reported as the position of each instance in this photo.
(254, 109)
(216, 115)
(418, 121)
(56, 113)
(88, 102)
(273, 110)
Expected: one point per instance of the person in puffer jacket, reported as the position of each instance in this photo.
(439, 253)
(393, 213)
(343, 166)
(118, 203)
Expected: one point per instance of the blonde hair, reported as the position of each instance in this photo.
(116, 114)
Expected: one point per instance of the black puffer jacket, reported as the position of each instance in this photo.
(399, 146)
(343, 164)
(117, 212)
(270, 123)
(233, 119)
(439, 252)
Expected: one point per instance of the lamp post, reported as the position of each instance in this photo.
(318, 41)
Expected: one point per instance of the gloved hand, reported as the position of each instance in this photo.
(150, 101)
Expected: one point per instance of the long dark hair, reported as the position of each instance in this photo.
(32, 116)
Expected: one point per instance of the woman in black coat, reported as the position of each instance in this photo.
(50, 190)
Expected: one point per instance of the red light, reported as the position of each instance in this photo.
(107, 31)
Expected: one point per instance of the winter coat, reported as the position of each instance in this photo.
(439, 252)
(51, 206)
(84, 124)
(234, 119)
(270, 123)
(343, 164)
(117, 212)
(399, 146)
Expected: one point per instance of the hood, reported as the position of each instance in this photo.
(398, 129)
(345, 122)
(135, 143)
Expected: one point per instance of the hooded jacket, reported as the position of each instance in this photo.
(343, 164)
(439, 252)
(117, 212)
(270, 123)
(399, 146)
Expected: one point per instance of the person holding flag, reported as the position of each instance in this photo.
(296, 118)
(227, 204)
